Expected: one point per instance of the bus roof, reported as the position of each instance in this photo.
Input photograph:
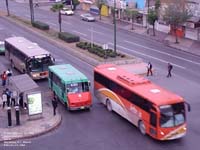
(27, 47)
(139, 85)
(68, 73)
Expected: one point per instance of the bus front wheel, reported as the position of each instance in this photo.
(142, 127)
(108, 105)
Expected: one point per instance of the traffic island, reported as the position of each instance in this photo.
(52, 36)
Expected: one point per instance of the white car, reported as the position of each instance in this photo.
(87, 17)
(66, 11)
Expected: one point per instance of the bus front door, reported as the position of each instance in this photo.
(153, 124)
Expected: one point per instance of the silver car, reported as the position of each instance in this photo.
(87, 17)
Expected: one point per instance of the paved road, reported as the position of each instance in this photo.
(99, 129)
(187, 65)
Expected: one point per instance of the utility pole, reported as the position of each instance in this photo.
(7, 8)
(147, 16)
(31, 10)
(115, 40)
(60, 21)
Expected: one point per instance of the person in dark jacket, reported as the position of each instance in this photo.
(54, 104)
(149, 69)
(169, 67)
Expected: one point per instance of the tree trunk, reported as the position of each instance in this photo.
(176, 36)
(154, 34)
(132, 24)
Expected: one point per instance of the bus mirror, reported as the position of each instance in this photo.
(188, 106)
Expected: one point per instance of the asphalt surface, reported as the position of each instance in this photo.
(99, 129)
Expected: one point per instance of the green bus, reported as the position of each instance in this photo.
(70, 86)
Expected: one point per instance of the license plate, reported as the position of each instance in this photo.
(82, 107)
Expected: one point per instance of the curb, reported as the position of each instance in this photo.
(54, 126)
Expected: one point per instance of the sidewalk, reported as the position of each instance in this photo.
(29, 127)
(186, 45)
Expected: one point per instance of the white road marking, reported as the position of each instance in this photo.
(95, 31)
(66, 22)
(162, 52)
(53, 24)
(27, 16)
(147, 55)
(79, 33)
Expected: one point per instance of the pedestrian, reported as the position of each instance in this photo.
(9, 74)
(54, 104)
(4, 98)
(169, 67)
(36, 3)
(8, 93)
(3, 78)
(13, 98)
(149, 69)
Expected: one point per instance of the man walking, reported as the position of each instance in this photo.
(170, 67)
(54, 104)
(149, 69)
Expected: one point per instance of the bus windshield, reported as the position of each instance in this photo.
(172, 115)
(40, 64)
(78, 87)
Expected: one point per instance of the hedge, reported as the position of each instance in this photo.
(68, 37)
(40, 25)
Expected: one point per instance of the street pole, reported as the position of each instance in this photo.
(115, 40)
(7, 8)
(31, 10)
(60, 21)
(92, 36)
(147, 16)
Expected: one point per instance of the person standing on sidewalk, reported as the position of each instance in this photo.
(149, 69)
(9, 74)
(169, 67)
(4, 98)
(54, 104)
(3, 78)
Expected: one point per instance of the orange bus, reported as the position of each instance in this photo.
(155, 111)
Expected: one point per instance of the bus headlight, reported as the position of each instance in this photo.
(162, 133)
(35, 75)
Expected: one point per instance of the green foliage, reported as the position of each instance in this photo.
(68, 37)
(40, 25)
(132, 14)
(152, 17)
(176, 15)
(57, 6)
(98, 50)
(157, 5)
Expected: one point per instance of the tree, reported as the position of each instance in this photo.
(152, 18)
(132, 14)
(75, 3)
(99, 4)
(176, 15)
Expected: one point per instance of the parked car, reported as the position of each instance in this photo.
(66, 11)
(87, 17)
(2, 48)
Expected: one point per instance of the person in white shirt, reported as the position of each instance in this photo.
(9, 74)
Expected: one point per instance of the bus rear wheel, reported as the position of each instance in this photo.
(108, 105)
(142, 127)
